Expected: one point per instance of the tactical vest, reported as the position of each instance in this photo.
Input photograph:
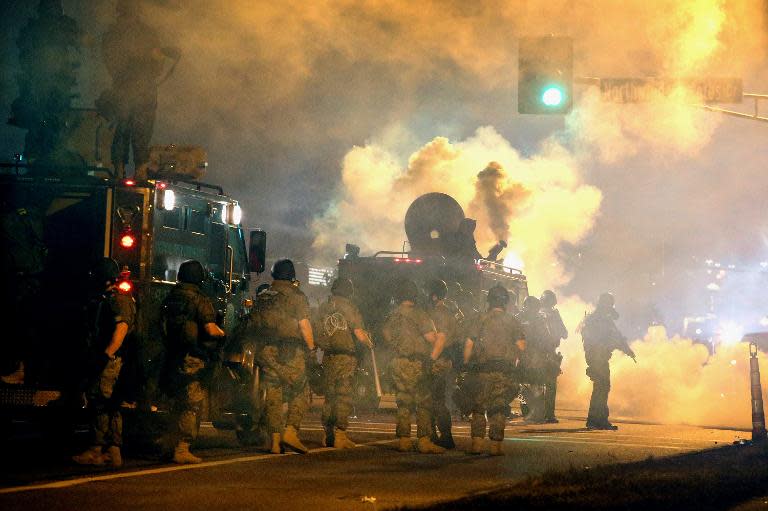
(180, 322)
(271, 319)
(334, 334)
(406, 339)
(493, 342)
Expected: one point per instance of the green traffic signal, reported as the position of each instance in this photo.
(553, 96)
(545, 75)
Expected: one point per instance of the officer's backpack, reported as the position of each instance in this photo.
(270, 317)
(332, 330)
(492, 343)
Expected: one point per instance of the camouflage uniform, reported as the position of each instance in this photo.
(494, 353)
(445, 322)
(282, 356)
(186, 311)
(535, 362)
(404, 333)
(557, 331)
(338, 318)
(110, 310)
(600, 337)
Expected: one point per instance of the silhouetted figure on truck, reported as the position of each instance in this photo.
(135, 58)
(49, 57)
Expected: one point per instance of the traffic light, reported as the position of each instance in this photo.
(545, 75)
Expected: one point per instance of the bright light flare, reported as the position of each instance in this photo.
(552, 96)
(125, 286)
(512, 260)
(731, 333)
(127, 241)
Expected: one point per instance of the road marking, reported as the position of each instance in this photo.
(267, 457)
(150, 471)
(163, 470)
(564, 441)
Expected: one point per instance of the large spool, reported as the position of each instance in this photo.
(432, 222)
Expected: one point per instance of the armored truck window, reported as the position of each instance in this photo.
(196, 221)
(172, 218)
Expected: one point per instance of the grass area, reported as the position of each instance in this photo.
(713, 479)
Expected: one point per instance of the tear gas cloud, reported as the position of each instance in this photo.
(330, 117)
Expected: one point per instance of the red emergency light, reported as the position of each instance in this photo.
(129, 182)
(128, 240)
(125, 286)
(161, 186)
(408, 260)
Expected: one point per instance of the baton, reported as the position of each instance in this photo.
(376, 374)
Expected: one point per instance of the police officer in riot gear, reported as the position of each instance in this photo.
(410, 334)
(192, 337)
(534, 360)
(557, 332)
(280, 324)
(111, 317)
(601, 337)
(446, 325)
(339, 329)
(494, 343)
(135, 58)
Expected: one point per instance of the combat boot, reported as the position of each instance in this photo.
(426, 446)
(446, 441)
(404, 444)
(477, 445)
(496, 448)
(114, 456)
(91, 456)
(182, 455)
(328, 437)
(291, 440)
(275, 448)
(341, 441)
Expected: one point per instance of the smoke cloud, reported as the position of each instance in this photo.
(326, 119)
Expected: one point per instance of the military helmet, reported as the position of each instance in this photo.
(343, 287)
(548, 299)
(498, 296)
(531, 303)
(437, 288)
(606, 301)
(191, 272)
(106, 270)
(284, 270)
(406, 290)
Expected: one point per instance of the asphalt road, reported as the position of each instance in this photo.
(373, 476)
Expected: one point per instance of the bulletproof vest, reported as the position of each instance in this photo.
(334, 333)
(406, 339)
(494, 341)
(600, 335)
(536, 330)
(271, 317)
(179, 320)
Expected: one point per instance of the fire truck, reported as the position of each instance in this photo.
(439, 246)
(149, 227)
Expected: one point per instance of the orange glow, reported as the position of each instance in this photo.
(125, 286)
(128, 241)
